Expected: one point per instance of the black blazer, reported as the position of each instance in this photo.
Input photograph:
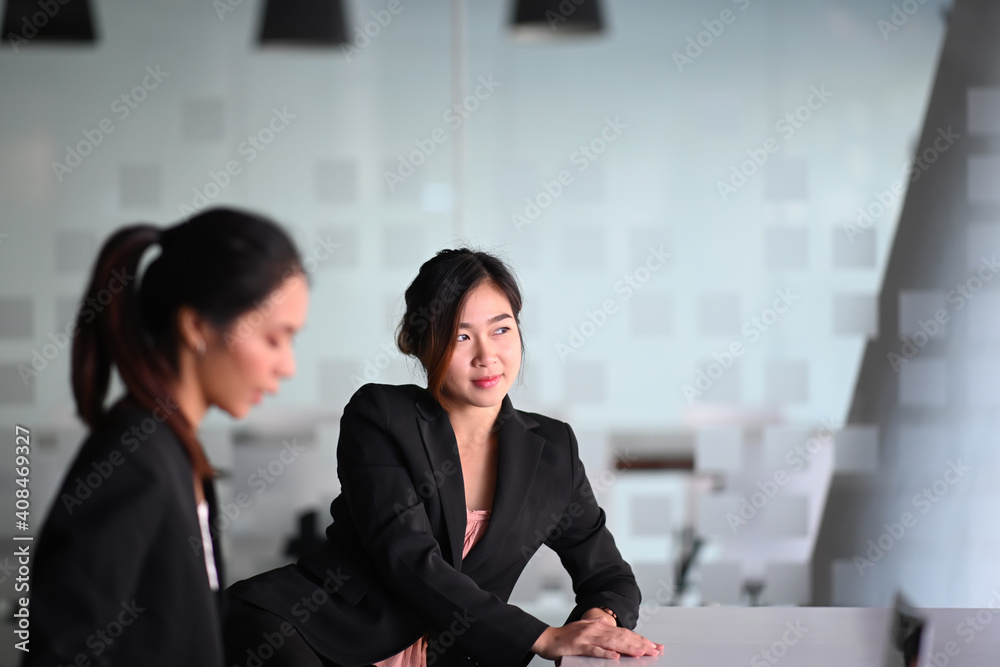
(119, 574)
(392, 567)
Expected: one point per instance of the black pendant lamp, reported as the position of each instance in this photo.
(553, 19)
(68, 21)
(304, 23)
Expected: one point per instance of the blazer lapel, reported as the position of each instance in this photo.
(519, 450)
(442, 452)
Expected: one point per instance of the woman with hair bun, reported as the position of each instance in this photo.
(127, 571)
(446, 494)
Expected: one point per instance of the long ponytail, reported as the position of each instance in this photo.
(109, 330)
(221, 263)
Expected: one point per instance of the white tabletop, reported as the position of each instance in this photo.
(801, 637)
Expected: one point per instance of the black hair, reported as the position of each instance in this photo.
(221, 263)
(434, 299)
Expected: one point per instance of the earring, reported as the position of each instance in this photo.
(200, 349)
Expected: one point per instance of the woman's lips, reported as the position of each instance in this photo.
(486, 383)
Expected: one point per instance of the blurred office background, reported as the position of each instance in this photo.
(703, 203)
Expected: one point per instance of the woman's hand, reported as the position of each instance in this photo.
(594, 638)
(598, 614)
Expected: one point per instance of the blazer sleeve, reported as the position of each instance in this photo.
(402, 548)
(601, 577)
(90, 556)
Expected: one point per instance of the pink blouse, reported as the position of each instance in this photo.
(415, 655)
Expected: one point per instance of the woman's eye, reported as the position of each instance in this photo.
(461, 336)
(502, 330)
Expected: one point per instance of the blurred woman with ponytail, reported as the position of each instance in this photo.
(127, 571)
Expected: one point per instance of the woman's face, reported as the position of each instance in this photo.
(255, 353)
(487, 353)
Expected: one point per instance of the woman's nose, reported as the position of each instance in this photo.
(287, 366)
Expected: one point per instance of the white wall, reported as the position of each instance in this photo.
(323, 176)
